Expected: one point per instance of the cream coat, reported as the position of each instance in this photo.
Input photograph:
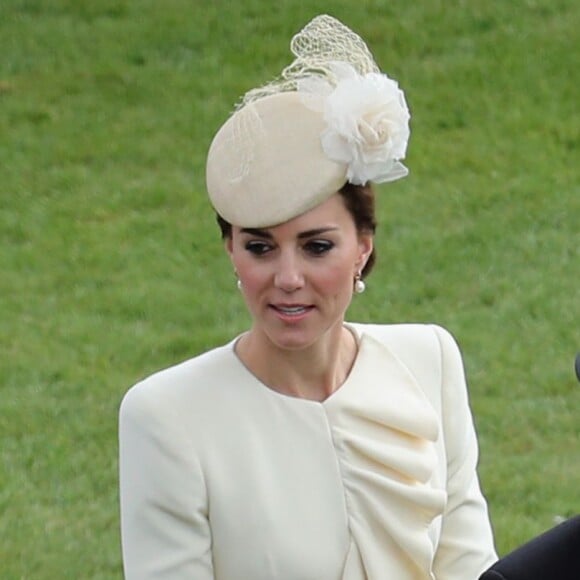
(222, 478)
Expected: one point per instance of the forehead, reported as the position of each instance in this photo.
(332, 213)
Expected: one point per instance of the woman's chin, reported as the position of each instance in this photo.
(291, 341)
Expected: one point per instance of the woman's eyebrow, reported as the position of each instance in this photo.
(307, 234)
(257, 232)
(316, 232)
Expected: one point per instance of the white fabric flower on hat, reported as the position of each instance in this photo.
(367, 122)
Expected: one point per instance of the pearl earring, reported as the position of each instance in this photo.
(238, 281)
(359, 285)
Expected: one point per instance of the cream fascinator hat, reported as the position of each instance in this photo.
(330, 118)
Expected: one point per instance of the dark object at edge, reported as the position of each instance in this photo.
(552, 555)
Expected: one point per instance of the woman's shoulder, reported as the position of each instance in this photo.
(421, 348)
(192, 379)
(414, 337)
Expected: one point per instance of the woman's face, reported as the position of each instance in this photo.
(297, 277)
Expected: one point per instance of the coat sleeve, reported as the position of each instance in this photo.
(466, 543)
(164, 514)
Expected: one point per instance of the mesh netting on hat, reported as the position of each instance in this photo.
(320, 43)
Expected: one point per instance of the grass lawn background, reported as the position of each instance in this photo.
(111, 265)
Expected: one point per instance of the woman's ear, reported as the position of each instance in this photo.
(366, 244)
(229, 245)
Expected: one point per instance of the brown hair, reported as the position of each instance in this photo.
(360, 203)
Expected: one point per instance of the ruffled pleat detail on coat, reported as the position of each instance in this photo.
(384, 431)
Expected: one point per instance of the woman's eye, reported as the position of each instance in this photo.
(257, 248)
(318, 247)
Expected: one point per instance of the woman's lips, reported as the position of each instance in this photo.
(291, 311)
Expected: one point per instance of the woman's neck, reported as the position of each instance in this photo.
(312, 373)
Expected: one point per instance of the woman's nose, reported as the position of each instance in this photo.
(289, 276)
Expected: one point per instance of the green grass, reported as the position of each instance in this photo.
(111, 267)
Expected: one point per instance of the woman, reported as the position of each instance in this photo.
(306, 448)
